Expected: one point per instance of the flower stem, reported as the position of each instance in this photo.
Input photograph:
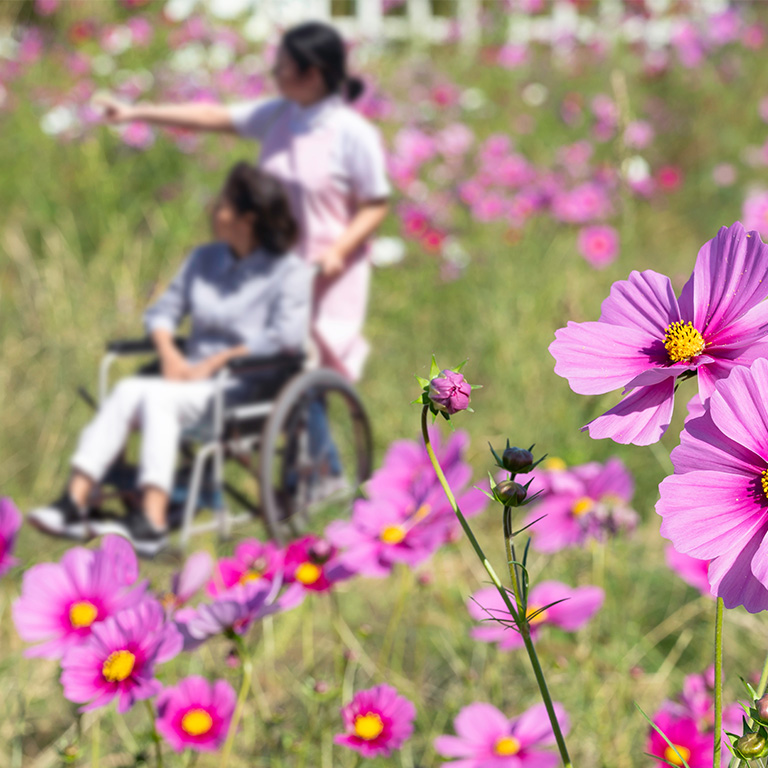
(155, 734)
(524, 628)
(246, 684)
(718, 681)
(95, 733)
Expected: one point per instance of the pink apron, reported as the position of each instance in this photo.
(301, 158)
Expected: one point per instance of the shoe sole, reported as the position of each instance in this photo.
(48, 520)
(144, 548)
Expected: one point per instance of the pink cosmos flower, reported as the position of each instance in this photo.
(61, 603)
(586, 202)
(599, 245)
(312, 564)
(755, 211)
(691, 570)
(10, 522)
(195, 714)
(376, 722)
(638, 134)
(253, 560)
(487, 738)
(588, 501)
(118, 660)
(46, 7)
(669, 178)
(713, 507)
(512, 56)
(578, 606)
(454, 140)
(689, 743)
(188, 581)
(138, 135)
(646, 338)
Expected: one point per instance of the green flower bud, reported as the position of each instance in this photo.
(517, 459)
(510, 493)
(751, 746)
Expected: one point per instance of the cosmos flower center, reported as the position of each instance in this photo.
(249, 576)
(118, 666)
(555, 463)
(422, 512)
(582, 506)
(368, 726)
(764, 483)
(82, 614)
(673, 757)
(393, 534)
(535, 615)
(196, 722)
(682, 341)
(507, 745)
(308, 573)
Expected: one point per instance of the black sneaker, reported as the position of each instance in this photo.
(146, 539)
(62, 518)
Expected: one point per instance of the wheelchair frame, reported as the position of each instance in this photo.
(298, 373)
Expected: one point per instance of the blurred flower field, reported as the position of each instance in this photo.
(529, 178)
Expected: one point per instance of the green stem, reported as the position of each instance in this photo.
(155, 734)
(763, 679)
(95, 733)
(718, 681)
(525, 630)
(247, 671)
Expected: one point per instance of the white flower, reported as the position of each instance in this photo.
(472, 99)
(535, 94)
(188, 58)
(229, 9)
(635, 169)
(57, 120)
(386, 251)
(178, 10)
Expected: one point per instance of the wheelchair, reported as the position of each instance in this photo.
(268, 441)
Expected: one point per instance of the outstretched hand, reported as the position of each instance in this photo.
(112, 109)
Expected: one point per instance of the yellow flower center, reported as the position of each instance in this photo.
(682, 341)
(82, 614)
(393, 534)
(673, 757)
(368, 726)
(118, 666)
(422, 512)
(540, 616)
(197, 722)
(764, 483)
(554, 463)
(582, 506)
(507, 745)
(249, 576)
(308, 573)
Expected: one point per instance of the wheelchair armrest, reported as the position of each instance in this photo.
(139, 346)
(253, 363)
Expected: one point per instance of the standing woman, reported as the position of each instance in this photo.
(331, 162)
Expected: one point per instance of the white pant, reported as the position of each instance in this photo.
(162, 408)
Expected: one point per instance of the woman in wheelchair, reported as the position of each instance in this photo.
(245, 294)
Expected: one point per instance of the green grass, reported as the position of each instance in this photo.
(89, 228)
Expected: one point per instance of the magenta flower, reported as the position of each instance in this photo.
(312, 564)
(689, 743)
(10, 522)
(487, 738)
(376, 722)
(450, 392)
(599, 245)
(253, 560)
(61, 603)
(646, 338)
(588, 501)
(188, 581)
(119, 658)
(578, 607)
(691, 570)
(714, 506)
(755, 211)
(195, 714)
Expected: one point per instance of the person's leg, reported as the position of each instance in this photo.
(322, 448)
(99, 445)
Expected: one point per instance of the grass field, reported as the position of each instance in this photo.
(90, 228)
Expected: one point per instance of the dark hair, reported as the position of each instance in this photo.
(315, 44)
(250, 190)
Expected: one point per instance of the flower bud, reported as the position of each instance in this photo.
(517, 459)
(761, 707)
(320, 552)
(750, 746)
(450, 392)
(510, 493)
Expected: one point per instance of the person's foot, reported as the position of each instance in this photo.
(330, 488)
(62, 518)
(147, 540)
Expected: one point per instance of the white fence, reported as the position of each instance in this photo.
(418, 21)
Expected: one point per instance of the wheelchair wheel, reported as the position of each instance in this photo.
(316, 450)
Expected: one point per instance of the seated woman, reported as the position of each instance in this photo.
(246, 294)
